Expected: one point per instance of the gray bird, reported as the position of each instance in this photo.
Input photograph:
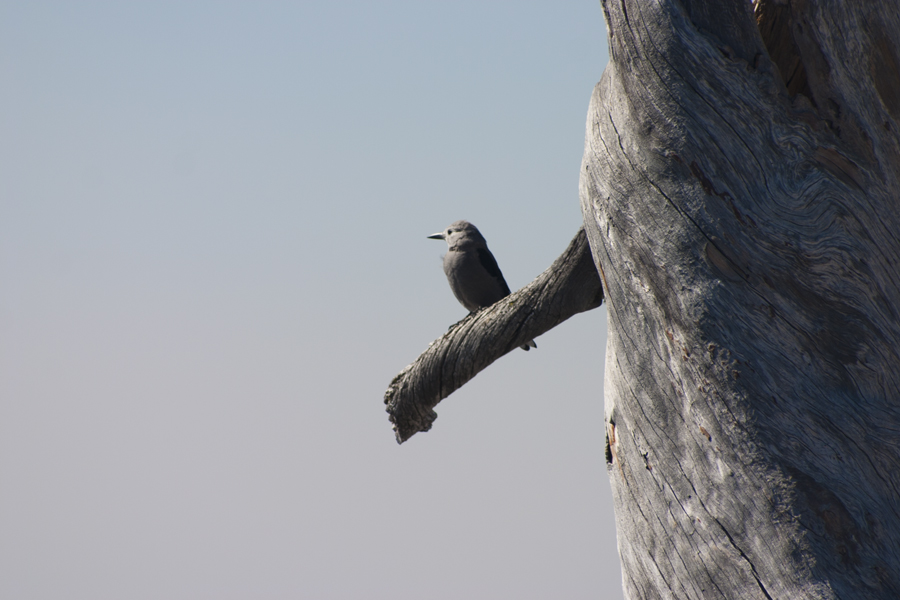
(471, 269)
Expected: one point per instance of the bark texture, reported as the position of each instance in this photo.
(744, 212)
(570, 286)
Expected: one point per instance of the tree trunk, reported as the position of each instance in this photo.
(741, 198)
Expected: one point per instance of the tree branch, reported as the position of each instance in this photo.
(568, 287)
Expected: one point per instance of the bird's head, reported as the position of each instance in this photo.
(459, 234)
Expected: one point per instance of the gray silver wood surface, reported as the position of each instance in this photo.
(749, 241)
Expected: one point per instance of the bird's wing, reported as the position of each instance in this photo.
(489, 263)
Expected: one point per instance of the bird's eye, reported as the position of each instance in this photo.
(449, 231)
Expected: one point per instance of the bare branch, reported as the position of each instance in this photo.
(568, 287)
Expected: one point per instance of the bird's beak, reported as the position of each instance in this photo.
(436, 236)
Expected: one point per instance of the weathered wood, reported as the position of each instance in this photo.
(744, 214)
(568, 287)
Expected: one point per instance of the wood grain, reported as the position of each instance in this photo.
(748, 231)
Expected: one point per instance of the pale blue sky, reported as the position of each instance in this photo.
(212, 263)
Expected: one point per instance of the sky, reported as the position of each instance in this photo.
(213, 260)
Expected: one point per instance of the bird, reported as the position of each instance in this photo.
(471, 269)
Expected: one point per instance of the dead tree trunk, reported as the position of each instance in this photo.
(741, 196)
